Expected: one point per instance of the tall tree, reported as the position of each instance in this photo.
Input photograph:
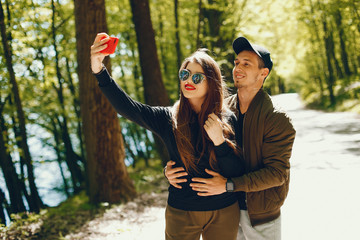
(317, 49)
(154, 89)
(199, 25)
(331, 78)
(342, 37)
(177, 34)
(108, 179)
(2, 209)
(214, 14)
(8, 169)
(70, 156)
(35, 202)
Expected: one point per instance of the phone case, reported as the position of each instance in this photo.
(112, 43)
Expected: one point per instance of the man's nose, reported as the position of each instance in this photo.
(237, 68)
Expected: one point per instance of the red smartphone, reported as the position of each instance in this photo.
(112, 43)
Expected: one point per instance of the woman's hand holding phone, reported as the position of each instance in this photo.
(111, 45)
(103, 46)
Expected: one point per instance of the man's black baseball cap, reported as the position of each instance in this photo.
(241, 44)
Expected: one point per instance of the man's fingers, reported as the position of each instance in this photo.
(201, 180)
(176, 175)
(175, 170)
(170, 163)
(199, 187)
(181, 180)
(212, 173)
(204, 194)
(176, 185)
(175, 182)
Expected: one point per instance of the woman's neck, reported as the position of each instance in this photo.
(196, 104)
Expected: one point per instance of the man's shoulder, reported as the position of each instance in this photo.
(274, 112)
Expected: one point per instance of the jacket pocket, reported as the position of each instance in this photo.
(267, 200)
(275, 197)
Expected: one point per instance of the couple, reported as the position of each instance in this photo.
(229, 172)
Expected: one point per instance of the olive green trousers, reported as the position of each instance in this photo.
(220, 224)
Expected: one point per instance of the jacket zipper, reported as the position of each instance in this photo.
(243, 147)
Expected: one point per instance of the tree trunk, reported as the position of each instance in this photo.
(154, 89)
(76, 104)
(35, 203)
(198, 44)
(344, 55)
(9, 172)
(356, 13)
(22, 177)
(281, 85)
(331, 48)
(164, 60)
(58, 153)
(70, 155)
(177, 35)
(108, 179)
(2, 209)
(331, 78)
(213, 14)
(316, 38)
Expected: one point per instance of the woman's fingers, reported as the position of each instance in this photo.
(99, 44)
(101, 36)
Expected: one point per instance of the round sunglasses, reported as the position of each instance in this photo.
(196, 77)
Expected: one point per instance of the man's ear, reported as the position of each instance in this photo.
(265, 72)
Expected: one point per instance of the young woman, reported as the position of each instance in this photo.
(198, 135)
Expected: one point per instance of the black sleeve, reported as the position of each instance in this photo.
(231, 164)
(151, 118)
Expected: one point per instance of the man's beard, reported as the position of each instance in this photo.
(237, 84)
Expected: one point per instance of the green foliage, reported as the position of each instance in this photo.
(51, 223)
(147, 178)
(23, 226)
(329, 53)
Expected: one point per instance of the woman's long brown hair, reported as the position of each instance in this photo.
(213, 103)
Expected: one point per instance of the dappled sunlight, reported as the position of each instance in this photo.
(142, 218)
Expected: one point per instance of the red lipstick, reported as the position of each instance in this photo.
(189, 87)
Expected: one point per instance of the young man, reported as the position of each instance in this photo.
(266, 138)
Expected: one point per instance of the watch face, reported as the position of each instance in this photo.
(229, 186)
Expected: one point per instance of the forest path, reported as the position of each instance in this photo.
(323, 202)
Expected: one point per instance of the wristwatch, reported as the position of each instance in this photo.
(229, 185)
